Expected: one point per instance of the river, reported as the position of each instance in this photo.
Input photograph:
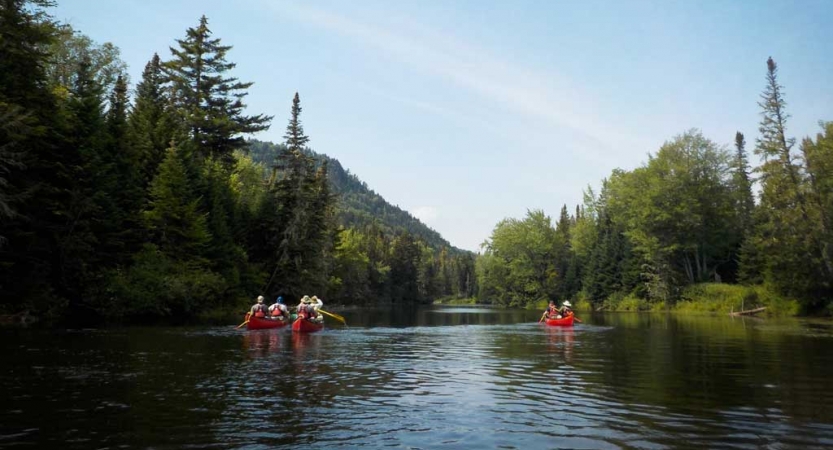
(454, 378)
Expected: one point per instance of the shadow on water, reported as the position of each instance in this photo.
(425, 377)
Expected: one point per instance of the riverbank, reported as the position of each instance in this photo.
(455, 301)
(704, 298)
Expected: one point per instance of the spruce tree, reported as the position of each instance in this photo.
(209, 102)
(743, 185)
(151, 126)
(786, 236)
(296, 140)
(90, 204)
(37, 174)
(173, 218)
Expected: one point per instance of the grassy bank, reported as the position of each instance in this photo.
(455, 301)
(721, 298)
(705, 298)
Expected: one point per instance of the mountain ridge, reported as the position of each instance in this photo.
(359, 205)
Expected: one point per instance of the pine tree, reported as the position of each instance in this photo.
(743, 185)
(210, 103)
(37, 176)
(151, 127)
(403, 270)
(173, 218)
(785, 236)
(90, 203)
(296, 140)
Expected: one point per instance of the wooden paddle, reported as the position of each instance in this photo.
(542, 317)
(334, 316)
(244, 323)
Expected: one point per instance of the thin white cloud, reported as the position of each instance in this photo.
(546, 98)
(426, 214)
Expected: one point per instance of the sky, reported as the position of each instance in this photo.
(468, 112)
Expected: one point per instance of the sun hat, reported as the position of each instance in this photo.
(566, 303)
(260, 299)
(305, 299)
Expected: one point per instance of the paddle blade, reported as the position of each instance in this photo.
(334, 316)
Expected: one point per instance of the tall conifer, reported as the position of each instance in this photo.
(210, 103)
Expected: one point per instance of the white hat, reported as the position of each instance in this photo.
(260, 299)
(566, 303)
(305, 299)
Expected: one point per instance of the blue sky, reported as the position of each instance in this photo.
(468, 112)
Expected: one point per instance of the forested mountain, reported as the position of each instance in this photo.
(120, 209)
(358, 206)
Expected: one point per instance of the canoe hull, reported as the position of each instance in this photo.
(265, 324)
(564, 322)
(306, 326)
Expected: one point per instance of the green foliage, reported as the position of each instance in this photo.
(791, 243)
(151, 125)
(678, 210)
(519, 266)
(724, 298)
(157, 285)
(69, 47)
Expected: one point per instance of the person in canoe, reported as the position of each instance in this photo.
(316, 303)
(278, 310)
(258, 309)
(307, 309)
(565, 310)
(552, 311)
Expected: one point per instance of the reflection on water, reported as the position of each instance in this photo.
(426, 378)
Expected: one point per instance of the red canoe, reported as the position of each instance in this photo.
(263, 324)
(306, 326)
(565, 322)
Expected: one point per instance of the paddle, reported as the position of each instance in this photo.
(244, 323)
(542, 317)
(334, 316)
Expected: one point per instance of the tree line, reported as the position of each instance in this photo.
(687, 216)
(134, 208)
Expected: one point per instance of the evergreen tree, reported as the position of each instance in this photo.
(39, 270)
(743, 185)
(173, 217)
(296, 140)
(404, 275)
(209, 102)
(818, 157)
(151, 127)
(90, 203)
(786, 235)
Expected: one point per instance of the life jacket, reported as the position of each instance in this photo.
(260, 310)
(277, 312)
(552, 311)
(307, 312)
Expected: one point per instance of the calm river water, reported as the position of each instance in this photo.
(427, 378)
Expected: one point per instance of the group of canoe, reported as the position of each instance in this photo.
(300, 324)
(307, 320)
